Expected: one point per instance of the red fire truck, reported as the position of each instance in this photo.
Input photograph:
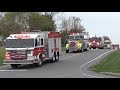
(77, 42)
(96, 42)
(32, 48)
(115, 46)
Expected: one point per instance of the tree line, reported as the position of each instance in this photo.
(17, 22)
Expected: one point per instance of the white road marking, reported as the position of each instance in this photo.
(92, 61)
(12, 70)
(70, 56)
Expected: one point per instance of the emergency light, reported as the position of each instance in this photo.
(22, 36)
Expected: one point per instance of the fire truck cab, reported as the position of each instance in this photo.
(32, 48)
(77, 42)
(96, 42)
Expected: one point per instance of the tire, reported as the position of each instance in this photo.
(57, 57)
(67, 51)
(81, 50)
(86, 49)
(53, 58)
(39, 64)
(78, 51)
(14, 66)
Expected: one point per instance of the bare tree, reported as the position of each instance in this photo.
(71, 24)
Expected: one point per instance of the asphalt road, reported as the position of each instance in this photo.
(71, 65)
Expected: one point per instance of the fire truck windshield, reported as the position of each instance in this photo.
(71, 37)
(19, 43)
(94, 39)
(107, 43)
(74, 37)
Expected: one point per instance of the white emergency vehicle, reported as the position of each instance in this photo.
(32, 48)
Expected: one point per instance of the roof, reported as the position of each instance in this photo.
(16, 36)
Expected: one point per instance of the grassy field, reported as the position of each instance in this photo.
(2, 54)
(109, 64)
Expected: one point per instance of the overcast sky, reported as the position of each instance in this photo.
(100, 23)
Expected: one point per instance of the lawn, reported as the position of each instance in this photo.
(109, 64)
(2, 54)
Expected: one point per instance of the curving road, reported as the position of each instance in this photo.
(71, 65)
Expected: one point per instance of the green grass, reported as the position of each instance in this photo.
(2, 54)
(109, 64)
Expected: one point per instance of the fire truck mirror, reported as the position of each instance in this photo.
(36, 43)
(81, 36)
(41, 41)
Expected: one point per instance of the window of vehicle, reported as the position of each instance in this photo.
(19, 43)
(71, 37)
(36, 42)
(77, 37)
(106, 42)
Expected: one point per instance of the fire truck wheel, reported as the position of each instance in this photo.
(81, 50)
(67, 51)
(57, 57)
(39, 64)
(14, 66)
(53, 58)
(78, 51)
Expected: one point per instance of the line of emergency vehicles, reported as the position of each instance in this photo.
(39, 46)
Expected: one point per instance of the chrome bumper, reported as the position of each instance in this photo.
(74, 49)
(18, 61)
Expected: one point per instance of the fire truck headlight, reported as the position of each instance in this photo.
(98, 43)
(79, 45)
(89, 43)
(67, 46)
